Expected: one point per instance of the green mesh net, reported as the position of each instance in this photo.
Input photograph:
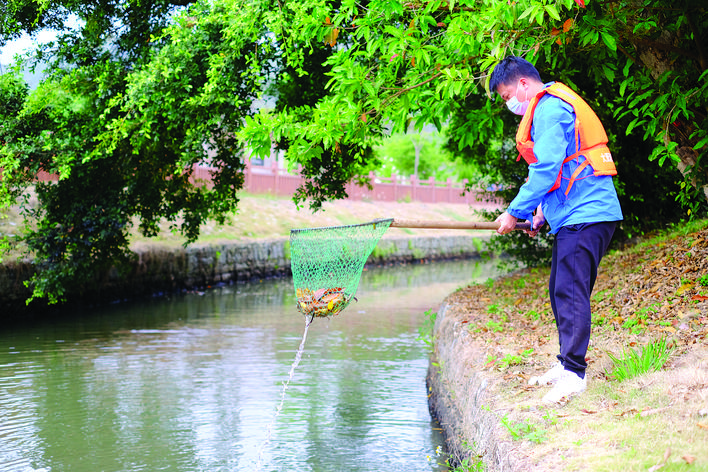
(327, 264)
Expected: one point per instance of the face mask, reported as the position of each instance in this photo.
(515, 106)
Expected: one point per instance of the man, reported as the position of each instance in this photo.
(570, 186)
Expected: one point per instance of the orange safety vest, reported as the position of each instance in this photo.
(588, 129)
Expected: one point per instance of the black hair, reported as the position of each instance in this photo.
(510, 70)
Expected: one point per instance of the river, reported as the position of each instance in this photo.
(191, 382)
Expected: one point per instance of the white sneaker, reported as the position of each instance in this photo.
(550, 377)
(568, 384)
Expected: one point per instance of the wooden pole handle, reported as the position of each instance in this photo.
(493, 225)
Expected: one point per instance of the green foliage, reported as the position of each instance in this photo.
(426, 329)
(398, 156)
(124, 144)
(509, 360)
(525, 430)
(703, 280)
(534, 315)
(632, 363)
(494, 326)
(141, 91)
(423, 154)
(468, 464)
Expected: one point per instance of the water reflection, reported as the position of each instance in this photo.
(191, 383)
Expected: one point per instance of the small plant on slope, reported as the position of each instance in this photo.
(651, 358)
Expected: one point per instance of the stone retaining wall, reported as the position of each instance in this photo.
(462, 398)
(160, 270)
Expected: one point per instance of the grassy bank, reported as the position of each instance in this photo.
(655, 291)
(267, 217)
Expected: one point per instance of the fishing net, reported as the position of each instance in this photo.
(327, 263)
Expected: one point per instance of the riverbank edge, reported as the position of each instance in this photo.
(461, 399)
(157, 270)
(480, 406)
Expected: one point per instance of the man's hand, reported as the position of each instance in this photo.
(538, 221)
(507, 223)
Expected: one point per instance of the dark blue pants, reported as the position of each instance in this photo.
(577, 251)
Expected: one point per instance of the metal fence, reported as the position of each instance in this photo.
(274, 180)
(277, 181)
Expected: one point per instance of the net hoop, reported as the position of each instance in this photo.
(327, 263)
(331, 228)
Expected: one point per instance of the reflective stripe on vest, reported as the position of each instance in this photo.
(588, 131)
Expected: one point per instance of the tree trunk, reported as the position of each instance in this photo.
(658, 57)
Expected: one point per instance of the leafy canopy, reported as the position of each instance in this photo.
(140, 92)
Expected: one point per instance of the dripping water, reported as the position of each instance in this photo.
(296, 362)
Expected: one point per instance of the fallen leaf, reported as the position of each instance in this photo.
(699, 297)
(684, 288)
(589, 412)
(689, 459)
(701, 425)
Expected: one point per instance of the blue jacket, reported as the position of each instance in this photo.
(591, 199)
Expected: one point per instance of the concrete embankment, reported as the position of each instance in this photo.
(156, 269)
(462, 397)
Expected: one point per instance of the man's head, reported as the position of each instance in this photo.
(515, 77)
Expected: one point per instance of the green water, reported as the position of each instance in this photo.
(191, 382)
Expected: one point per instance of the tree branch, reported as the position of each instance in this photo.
(627, 53)
(404, 90)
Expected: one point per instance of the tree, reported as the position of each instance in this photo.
(137, 98)
(416, 59)
(422, 154)
(422, 60)
(81, 224)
